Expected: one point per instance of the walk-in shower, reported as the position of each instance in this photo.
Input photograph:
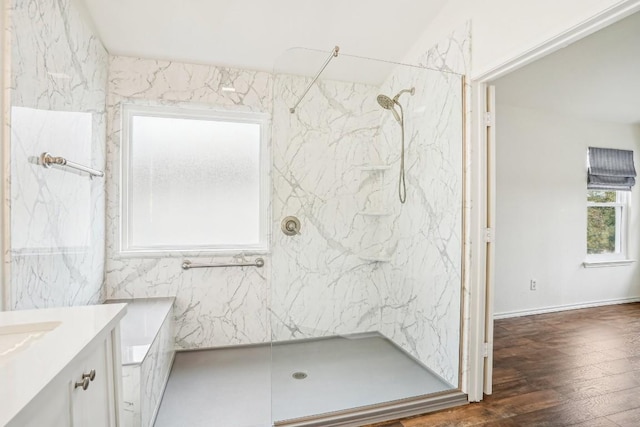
(390, 104)
(366, 300)
(362, 316)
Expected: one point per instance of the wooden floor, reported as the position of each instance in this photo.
(579, 367)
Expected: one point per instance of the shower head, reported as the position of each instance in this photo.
(385, 102)
(388, 104)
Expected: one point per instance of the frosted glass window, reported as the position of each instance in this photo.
(194, 182)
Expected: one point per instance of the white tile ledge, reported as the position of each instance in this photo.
(610, 263)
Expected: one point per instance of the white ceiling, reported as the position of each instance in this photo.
(597, 78)
(253, 34)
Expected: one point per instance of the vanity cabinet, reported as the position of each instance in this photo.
(75, 399)
(49, 408)
(83, 391)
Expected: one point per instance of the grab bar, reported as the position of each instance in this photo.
(187, 265)
(47, 160)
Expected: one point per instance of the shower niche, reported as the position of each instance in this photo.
(372, 186)
(375, 213)
(366, 301)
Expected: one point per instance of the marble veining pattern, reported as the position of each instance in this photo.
(214, 307)
(320, 285)
(58, 97)
(321, 282)
(454, 54)
(131, 414)
(145, 376)
(423, 279)
(155, 371)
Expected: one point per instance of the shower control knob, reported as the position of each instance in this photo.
(290, 226)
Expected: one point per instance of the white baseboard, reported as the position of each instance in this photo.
(566, 307)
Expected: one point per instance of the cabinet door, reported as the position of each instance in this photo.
(51, 408)
(91, 407)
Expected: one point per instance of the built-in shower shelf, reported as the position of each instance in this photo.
(375, 258)
(375, 168)
(374, 213)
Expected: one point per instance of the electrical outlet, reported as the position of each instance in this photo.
(533, 285)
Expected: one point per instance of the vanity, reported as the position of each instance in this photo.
(61, 367)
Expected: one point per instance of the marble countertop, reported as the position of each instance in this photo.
(37, 345)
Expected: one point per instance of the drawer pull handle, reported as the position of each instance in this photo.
(91, 375)
(84, 383)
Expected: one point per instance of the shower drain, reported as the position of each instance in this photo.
(299, 375)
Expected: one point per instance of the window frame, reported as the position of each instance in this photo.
(622, 203)
(130, 110)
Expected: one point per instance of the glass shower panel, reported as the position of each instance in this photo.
(366, 298)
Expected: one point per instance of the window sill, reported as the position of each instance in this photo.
(177, 253)
(609, 263)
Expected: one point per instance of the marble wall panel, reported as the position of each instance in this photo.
(422, 310)
(154, 372)
(425, 296)
(321, 285)
(213, 307)
(453, 54)
(58, 80)
(131, 415)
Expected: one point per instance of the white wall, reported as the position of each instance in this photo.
(504, 29)
(541, 211)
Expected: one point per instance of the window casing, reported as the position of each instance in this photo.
(193, 181)
(607, 212)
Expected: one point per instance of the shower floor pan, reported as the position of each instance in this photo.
(336, 381)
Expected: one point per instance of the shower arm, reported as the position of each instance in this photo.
(412, 91)
(334, 54)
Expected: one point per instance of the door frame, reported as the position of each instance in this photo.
(481, 286)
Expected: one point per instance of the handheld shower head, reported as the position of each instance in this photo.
(389, 104)
(385, 101)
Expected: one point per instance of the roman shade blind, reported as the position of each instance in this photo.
(610, 169)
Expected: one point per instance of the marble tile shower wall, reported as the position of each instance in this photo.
(422, 281)
(320, 283)
(453, 54)
(214, 307)
(58, 80)
(218, 307)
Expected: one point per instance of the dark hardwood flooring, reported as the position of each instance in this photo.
(573, 368)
